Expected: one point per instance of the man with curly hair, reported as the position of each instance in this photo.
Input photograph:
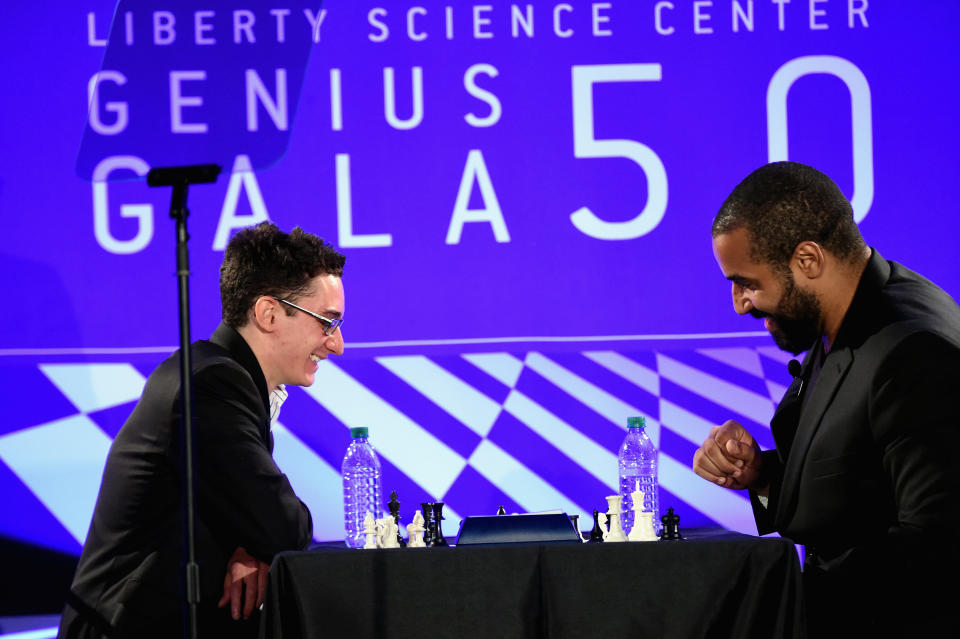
(864, 472)
(283, 303)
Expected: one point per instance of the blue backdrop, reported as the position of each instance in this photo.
(524, 193)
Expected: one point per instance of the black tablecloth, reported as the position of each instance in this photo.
(709, 585)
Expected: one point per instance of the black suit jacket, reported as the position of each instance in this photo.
(129, 580)
(866, 471)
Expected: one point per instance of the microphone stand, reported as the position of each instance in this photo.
(180, 178)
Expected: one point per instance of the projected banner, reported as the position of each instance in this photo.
(524, 192)
(490, 169)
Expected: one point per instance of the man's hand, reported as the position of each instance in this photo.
(729, 457)
(244, 584)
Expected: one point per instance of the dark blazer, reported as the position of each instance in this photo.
(866, 471)
(129, 580)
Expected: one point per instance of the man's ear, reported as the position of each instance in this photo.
(264, 313)
(808, 260)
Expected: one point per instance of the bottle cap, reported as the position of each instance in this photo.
(359, 431)
(636, 422)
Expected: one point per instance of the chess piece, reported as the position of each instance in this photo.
(427, 509)
(416, 530)
(394, 506)
(636, 505)
(436, 537)
(370, 531)
(575, 522)
(643, 527)
(613, 504)
(671, 529)
(381, 530)
(596, 535)
(637, 498)
(501, 511)
(615, 531)
(390, 533)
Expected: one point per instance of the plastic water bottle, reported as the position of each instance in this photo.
(638, 462)
(361, 486)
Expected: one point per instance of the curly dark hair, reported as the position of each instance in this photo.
(263, 260)
(785, 203)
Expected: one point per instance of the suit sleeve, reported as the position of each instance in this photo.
(243, 495)
(915, 418)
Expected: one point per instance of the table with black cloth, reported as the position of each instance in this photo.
(712, 584)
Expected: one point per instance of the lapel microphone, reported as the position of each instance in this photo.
(795, 370)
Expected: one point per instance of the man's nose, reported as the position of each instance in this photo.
(334, 343)
(742, 303)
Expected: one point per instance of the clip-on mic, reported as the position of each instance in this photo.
(795, 370)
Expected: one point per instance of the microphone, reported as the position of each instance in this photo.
(795, 370)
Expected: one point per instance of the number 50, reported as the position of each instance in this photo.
(586, 146)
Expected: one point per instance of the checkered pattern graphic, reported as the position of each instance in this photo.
(526, 430)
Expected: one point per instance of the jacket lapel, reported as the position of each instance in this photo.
(834, 369)
(783, 425)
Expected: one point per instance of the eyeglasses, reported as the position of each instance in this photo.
(329, 325)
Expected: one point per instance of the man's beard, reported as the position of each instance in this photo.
(796, 319)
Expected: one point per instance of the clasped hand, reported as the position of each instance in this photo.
(729, 457)
(244, 584)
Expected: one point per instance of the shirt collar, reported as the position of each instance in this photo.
(277, 397)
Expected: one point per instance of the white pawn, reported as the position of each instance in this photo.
(416, 530)
(370, 530)
(615, 532)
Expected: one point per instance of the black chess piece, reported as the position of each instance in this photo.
(394, 506)
(437, 536)
(671, 528)
(501, 511)
(426, 509)
(596, 535)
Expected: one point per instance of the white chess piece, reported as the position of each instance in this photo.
(636, 497)
(642, 519)
(614, 504)
(381, 531)
(615, 532)
(643, 525)
(416, 530)
(390, 533)
(412, 540)
(370, 531)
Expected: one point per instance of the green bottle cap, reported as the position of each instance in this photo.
(636, 422)
(359, 431)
